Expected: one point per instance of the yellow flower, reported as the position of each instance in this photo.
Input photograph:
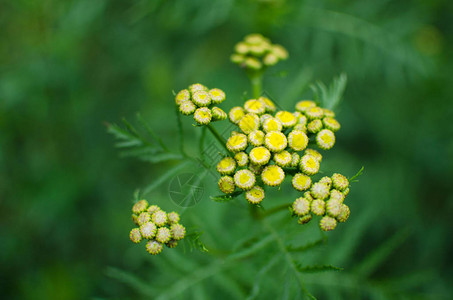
(256, 138)
(255, 106)
(314, 153)
(255, 195)
(286, 118)
(143, 218)
(331, 123)
(173, 217)
(244, 179)
(270, 59)
(202, 115)
(344, 213)
(254, 38)
(187, 107)
(218, 114)
(309, 165)
(269, 105)
(301, 206)
(154, 247)
(241, 48)
(297, 140)
(163, 235)
(326, 180)
(201, 98)
(135, 235)
(272, 124)
(333, 207)
(237, 58)
(148, 230)
(159, 218)
(320, 190)
(300, 127)
(318, 207)
(301, 182)
(328, 113)
(283, 158)
(327, 223)
(279, 51)
(295, 158)
(226, 184)
(336, 194)
(325, 139)
(183, 95)
(275, 141)
(153, 208)
(308, 196)
(272, 175)
(314, 126)
(305, 219)
(339, 182)
(217, 96)
(304, 105)
(241, 158)
(197, 87)
(302, 120)
(249, 123)
(139, 207)
(252, 63)
(177, 231)
(314, 113)
(236, 114)
(237, 143)
(260, 155)
(226, 166)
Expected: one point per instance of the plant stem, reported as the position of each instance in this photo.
(257, 84)
(218, 137)
(181, 133)
(275, 210)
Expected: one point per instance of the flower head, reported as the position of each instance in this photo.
(255, 106)
(304, 105)
(255, 195)
(327, 223)
(286, 118)
(295, 158)
(331, 124)
(244, 179)
(301, 182)
(318, 207)
(333, 207)
(148, 230)
(236, 114)
(135, 235)
(256, 138)
(297, 140)
(197, 87)
(314, 113)
(186, 107)
(260, 155)
(241, 158)
(217, 96)
(325, 139)
(314, 153)
(314, 126)
(270, 59)
(182, 95)
(320, 190)
(218, 114)
(226, 184)
(178, 231)
(328, 113)
(268, 104)
(143, 218)
(283, 158)
(309, 165)
(226, 166)
(301, 206)
(159, 218)
(336, 194)
(252, 63)
(272, 124)
(339, 182)
(202, 115)
(273, 175)
(237, 143)
(153, 208)
(154, 247)
(275, 141)
(305, 219)
(249, 123)
(326, 180)
(344, 213)
(163, 235)
(173, 217)
(140, 206)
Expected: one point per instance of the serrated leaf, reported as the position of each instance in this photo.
(226, 198)
(330, 97)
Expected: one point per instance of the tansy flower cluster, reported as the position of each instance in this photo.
(324, 198)
(256, 52)
(201, 102)
(155, 226)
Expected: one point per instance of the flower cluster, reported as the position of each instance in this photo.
(200, 101)
(324, 198)
(272, 144)
(256, 52)
(156, 226)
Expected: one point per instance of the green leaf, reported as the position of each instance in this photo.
(317, 268)
(157, 158)
(131, 280)
(330, 97)
(194, 241)
(354, 178)
(226, 198)
(308, 246)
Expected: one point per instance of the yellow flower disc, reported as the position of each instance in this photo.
(255, 106)
(318, 207)
(283, 158)
(249, 123)
(260, 155)
(325, 139)
(340, 182)
(272, 175)
(201, 98)
(270, 106)
(297, 140)
(328, 113)
(256, 138)
(236, 114)
(295, 158)
(226, 166)
(244, 179)
(286, 118)
(314, 126)
(255, 195)
(217, 96)
(237, 143)
(304, 105)
(301, 182)
(327, 223)
(226, 184)
(241, 158)
(344, 213)
(148, 230)
(197, 87)
(154, 247)
(314, 113)
(275, 141)
(272, 124)
(314, 153)
(309, 165)
(320, 191)
(333, 207)
(202, 115)
(218, 114)
(183, 95)
(301, 206)
(331, 124)
(187, 107)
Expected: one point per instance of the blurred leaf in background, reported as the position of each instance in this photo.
(66, 67)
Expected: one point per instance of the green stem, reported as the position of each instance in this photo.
(257, 84)
(181, 132)
(218, 137)
(275, 210)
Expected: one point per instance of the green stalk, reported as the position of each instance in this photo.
(257, 84)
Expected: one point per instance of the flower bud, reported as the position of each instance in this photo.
(272, 175)
(327, 223)
(297, 140)
(148, 230)
(218, 114)
(286, 118)
(272, 124)
(173, 217)
(318, 207)
(226, 184)
(260, 155)
(178, 231)
(301, 182)
(183, 95)
(217, 96)
(236, 114)
(159, 218)
(275, 141)
(305, 219)
(226, 166)
(154, 247)
(344, 213)
(163, 235)
(309, 165)
(282, 158)
(320, 190)
(249, 123)
(139, 207)
(143, 218)
(331, 124)
(325, 139)
(135, 235)
(339, 182)
(314, 126)
(187, 107)
(301, 206)
(255, 195)
(256, 138)
(202, 116)
(237, 143)
(241, 158)
(255, 106)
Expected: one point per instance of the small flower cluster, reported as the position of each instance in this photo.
(324, 198)
(256, 51)
(156, 226)
(200, 101)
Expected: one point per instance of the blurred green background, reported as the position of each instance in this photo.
(67, 67)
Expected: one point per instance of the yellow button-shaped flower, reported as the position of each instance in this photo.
(286, 118)
(202, 115)
(217, 96)
(301, 206)
(275, 141)
(187, 107)
(273, 175)
(244, 179)
(304, 105)
(183, 95)
(309, 165)
(255, 195)
(256, 138)
(237, 142)
(314, 113)
(283, 158)
(297, 140)
(331, 123)
(226, 184)
(201, 98)
(236, 114)
(255, 106)
(249, 123)
(260, 155)
(241, 158)
(226, 166)
(270, 106)
(301, 182)
(272, 124)
(325, 139)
